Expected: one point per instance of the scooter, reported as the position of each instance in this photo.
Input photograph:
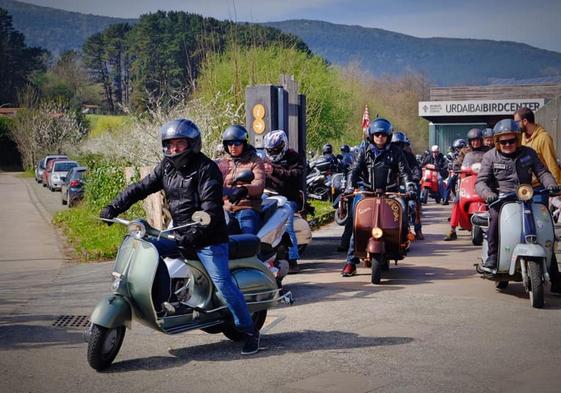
(469, 201)
(429, 184)
(161, 288)
(526, 241)
(378, 229)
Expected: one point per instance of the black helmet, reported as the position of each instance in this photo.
(235, 133)
(379, 125)
(181, 129)
(488, 132)
(345, 149)
(399, 137)
(327, 149)
(474, 133)
(459, 144)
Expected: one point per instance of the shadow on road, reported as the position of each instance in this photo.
(276, 345)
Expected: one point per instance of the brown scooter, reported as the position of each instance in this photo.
(378, 228)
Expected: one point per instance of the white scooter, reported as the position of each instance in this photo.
(526, 241)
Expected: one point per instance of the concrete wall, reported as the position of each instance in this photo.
(549, 117)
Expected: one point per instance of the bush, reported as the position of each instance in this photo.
(101, 124)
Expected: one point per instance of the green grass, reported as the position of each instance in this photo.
(322, 207)
(100, 124)
(29, 173)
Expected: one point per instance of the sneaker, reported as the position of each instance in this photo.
(452, 235)
(419, 235)
(445, 203)
(349, 270)
(490, 262)
(251, 345)
(293, 266)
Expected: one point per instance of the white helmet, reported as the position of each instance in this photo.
(434, 148)
(276, 145)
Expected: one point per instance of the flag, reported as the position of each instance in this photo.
(365, 118)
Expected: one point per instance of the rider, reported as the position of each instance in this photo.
(242, 201)
(284, 168)
(437, 159)
(383, 166)
(192, 182)
(400, 139)
(488, 138)
(327, 152)
(502, 170)
(346, 158)
(457, 145)
(475, 140)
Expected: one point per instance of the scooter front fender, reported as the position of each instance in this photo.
(112, 311)
(376, 246)
(525, 250)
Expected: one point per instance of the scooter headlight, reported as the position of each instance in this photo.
(377, 233)
(136, 229)
(476, 167)
(525, 192)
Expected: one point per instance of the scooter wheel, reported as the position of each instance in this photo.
(233, 334)
(377, 263)
(103, 345)
(501, 284)
(536, 290)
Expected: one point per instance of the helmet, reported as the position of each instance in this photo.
(276, 145)
(235, 133)
(399, 137)
(345, 149)
(181, 129)
(434, 148)
(474, 133)
(327, 149)
(506, 126)
(379, 125)
(488, 132)
(459, 144)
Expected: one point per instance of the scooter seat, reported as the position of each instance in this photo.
(480, 219)
(243, 246)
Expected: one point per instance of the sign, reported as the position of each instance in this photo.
(259, 113)
(477, 108)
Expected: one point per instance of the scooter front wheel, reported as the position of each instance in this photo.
(103, 345)
(535, 275)
(476, 235)
(234, 334)
(377, 263)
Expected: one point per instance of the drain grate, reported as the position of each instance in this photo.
(71, 321)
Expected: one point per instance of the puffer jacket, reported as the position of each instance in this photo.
(286, 178)
(231, 166)
(542, 143)
(196, 186)
(387, 171)
(500, 173)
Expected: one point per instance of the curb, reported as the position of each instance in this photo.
(324, 219)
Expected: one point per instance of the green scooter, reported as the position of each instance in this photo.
(161, 288)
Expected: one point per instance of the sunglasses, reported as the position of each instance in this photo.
(505, 142)
(379, 134)
(234, 143)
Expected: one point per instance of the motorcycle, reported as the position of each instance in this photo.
(469, 201)
(429, 184)
(526, 241)
(318, 179)
(378, 229)
(159, 287)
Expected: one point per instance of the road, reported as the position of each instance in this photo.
(432, 326)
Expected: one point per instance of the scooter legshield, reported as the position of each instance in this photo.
(112, 311)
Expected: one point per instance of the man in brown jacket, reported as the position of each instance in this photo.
(243, 201)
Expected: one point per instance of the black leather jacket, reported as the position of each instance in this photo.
(196, 186)
(439, 162)
(387, 171)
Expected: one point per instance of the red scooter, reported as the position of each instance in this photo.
(429, 184)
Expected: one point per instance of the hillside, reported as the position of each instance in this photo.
(445, 61)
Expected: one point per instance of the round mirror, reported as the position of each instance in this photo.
(201, 217)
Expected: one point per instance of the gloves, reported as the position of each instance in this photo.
(554, 189)
(189, 239)
(238, 194)
(109, 212)
(491, 198)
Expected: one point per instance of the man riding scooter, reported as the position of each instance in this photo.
(193, 182)
(437, 159)
(503, 168)
(488, 138)
(284, 169)
(475, 141)
(384, 167)
(457, 146)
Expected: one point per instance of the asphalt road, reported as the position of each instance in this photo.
(432, 326)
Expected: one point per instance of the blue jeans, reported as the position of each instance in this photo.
(293, 250)
(249, 221)
(351, 252)
(215, 260)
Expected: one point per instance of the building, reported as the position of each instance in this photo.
(452, 111)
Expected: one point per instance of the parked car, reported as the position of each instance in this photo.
(58, 173)
(42, 165)
(73, 187)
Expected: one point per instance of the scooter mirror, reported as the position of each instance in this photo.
(245, 176)
(201, 217)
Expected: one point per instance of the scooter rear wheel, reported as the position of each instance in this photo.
(103, 345)
(234, 334)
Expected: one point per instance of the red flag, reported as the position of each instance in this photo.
(365, 118)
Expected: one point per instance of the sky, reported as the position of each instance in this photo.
(533, 22)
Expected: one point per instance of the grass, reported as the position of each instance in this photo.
(322, 207)
(100, 124)
(29, 173)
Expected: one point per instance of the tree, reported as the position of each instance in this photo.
(17, 61)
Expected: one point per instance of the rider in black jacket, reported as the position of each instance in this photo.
(191, 182)
(384, 167)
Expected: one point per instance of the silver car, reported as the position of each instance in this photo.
(58, 174)
(42, 165)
